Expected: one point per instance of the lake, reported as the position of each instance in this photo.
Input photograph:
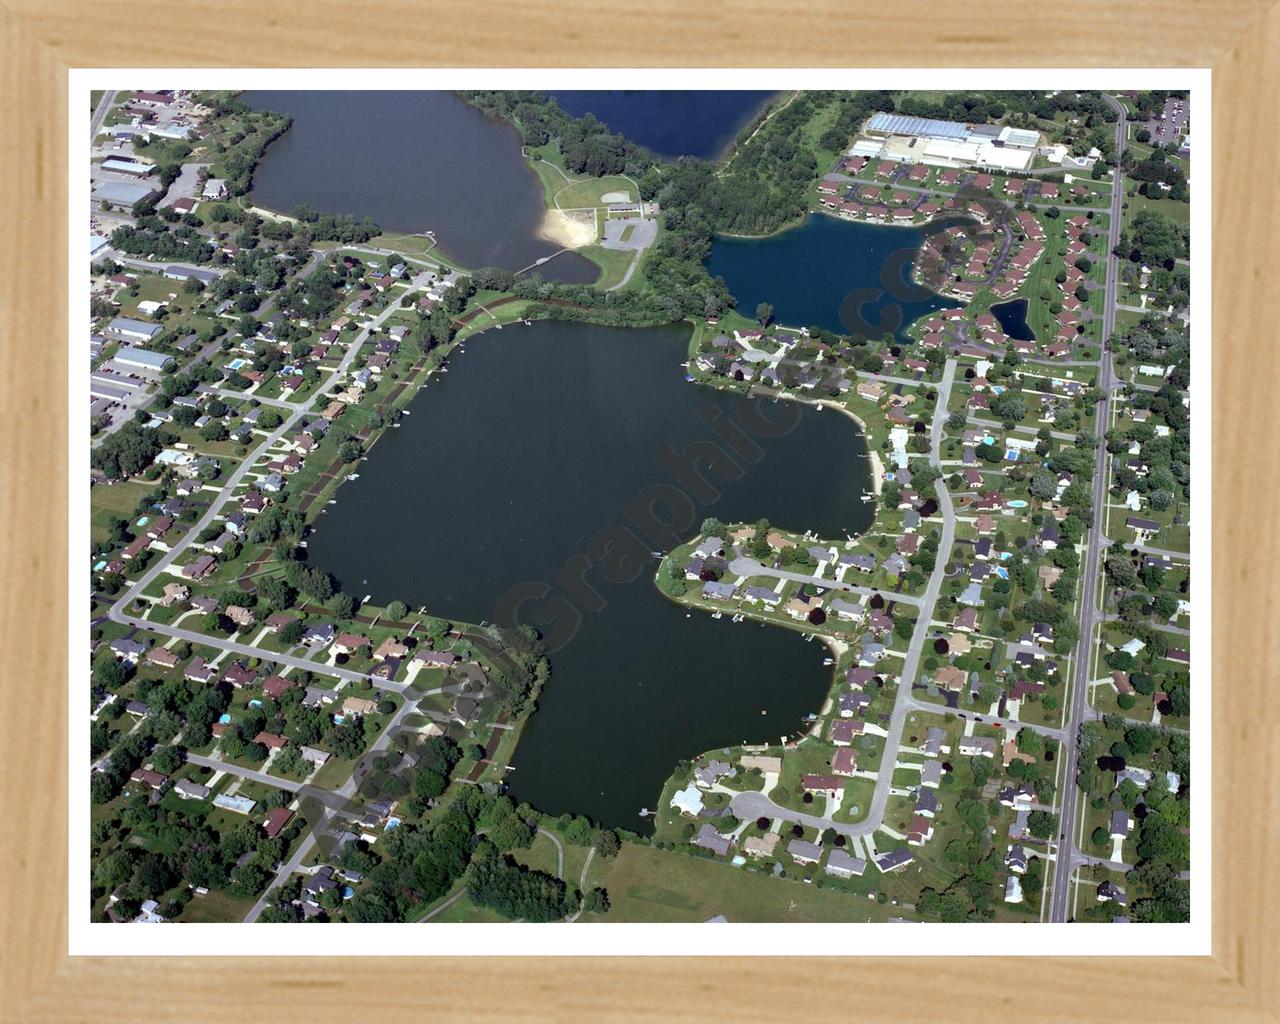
(842, 275)
(669, 122)
(1013, 319)
(512, 463)
(413, 162)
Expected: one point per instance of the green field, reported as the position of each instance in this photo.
(587, 192)
(647, 884)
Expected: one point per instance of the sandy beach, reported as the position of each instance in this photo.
(568, 230)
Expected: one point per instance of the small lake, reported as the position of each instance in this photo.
(413, 162)
(1013, 319)
(669, 122)
(511, 464)
(842, 275)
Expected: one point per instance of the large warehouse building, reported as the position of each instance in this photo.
(906, 139)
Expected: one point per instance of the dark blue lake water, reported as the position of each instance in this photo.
(670, 122)
(412, 161)
(838, 274)
(1013, 319)
(501, 482)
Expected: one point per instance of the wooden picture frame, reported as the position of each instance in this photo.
(42, 40)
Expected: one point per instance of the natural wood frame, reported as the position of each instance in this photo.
(41, 39)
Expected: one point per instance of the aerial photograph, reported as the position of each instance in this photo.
(672, 506)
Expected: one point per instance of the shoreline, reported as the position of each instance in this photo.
(873, 456)
(558, 228)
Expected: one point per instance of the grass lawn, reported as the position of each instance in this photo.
(1176, 210)
(613, 264)
(467, 912)
(540, 856)
(215, 906)
(588, 192)
(648, 884)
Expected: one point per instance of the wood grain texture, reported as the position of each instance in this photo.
(39, 40)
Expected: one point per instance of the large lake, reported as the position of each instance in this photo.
(510, 464)
(412, 161)
(670, 122)
(842, 275)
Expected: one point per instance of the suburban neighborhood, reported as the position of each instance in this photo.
(1005, 735)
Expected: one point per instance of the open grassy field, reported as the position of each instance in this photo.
(613, 264)
(1176, 210)
(648, 884)
(588, 192)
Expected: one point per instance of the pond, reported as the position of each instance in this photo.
(1013, 319)
(489, 502)
(413, 162)
(669, 122)
(842, 275)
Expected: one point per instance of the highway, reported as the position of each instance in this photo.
(1068, 855)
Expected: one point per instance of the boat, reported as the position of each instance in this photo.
(828, 661)
(718, 615)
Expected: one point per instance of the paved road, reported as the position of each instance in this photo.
(1057, 435)
(749, 805)
(1008, 724)
(745, 566)
(100, 113)
(117, 611)
(244, 773)
(555, 841)
(330, 798)
(1180, 555)
(1067, 852)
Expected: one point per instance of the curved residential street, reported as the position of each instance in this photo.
(749, 805)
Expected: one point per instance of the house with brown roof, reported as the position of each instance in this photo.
(359, 706)
(390, 648)
(241, 616)
(163, 657)
(275, 686)
(349, 643)
(277, 819)
(174, 593)
(273, 741)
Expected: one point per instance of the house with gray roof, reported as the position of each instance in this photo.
(709, 839)
(714, 591)
(844, 865)
(894, 860)
(804, 852)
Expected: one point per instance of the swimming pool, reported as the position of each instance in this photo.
(236, 363)
(224, 719)
(1002, 572)
(1016, 503)
(1011, 455)
(255, 703)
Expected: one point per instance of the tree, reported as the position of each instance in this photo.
(350, 450)
(292, 632)
(343, 605)
(764, 313)
(596, 902)
(1121, 571)
(1040, 824)
(397, 610)
(1043, 485)
(167, 760)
